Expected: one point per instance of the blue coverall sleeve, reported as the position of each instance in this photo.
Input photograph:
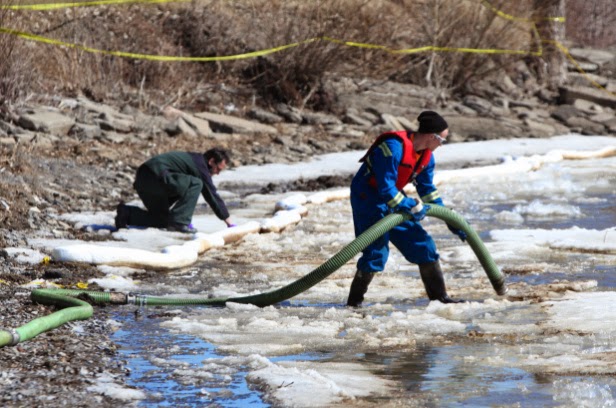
(384, 161)
(425, 185)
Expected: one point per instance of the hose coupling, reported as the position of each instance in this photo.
(15, 337)
(136, 299)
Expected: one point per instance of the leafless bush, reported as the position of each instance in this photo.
(15, 59)
(294, 75)
(101, 75)
(592, 22)
(462, 25)
(221, 28)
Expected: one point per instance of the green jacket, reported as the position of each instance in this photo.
(192, 164)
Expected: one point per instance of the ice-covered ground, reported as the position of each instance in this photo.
(546, 214)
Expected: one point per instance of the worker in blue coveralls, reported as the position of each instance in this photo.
(395, 159)
(169, 186)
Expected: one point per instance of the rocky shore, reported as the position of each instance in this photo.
(72, 153)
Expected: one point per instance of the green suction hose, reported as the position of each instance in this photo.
(77, 309)
(497, 279)
(361, 242)
(302, 284)
(74, 309)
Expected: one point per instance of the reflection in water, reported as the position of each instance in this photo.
(141, 340)
(442, 378)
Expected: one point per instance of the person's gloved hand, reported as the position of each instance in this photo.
(414, 208)
(419, 211)
(457, 232)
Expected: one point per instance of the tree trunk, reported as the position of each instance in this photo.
(552, 68)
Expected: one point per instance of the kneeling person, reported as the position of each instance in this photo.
(169, 185)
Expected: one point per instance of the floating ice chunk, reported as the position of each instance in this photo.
(510, 217)
(328, 383)
(583, 394)
(118, 270)
(104, 385)
(572, 239)
(539, 209)
(587, 312)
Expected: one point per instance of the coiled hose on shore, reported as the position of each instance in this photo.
(78, 309)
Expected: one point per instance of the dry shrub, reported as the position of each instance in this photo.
(462, 24)
(217, 28)
(16, 58)
(296, 75)
(592, 22)
(130, 29)
(17, 186)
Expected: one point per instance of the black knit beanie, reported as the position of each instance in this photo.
(431, 122)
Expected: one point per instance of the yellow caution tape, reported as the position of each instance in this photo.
(565, 51)
(53, 6)
(150, 57)
(486, 3)
(506, 16)
(82, 285)
(260, 53)
(430, 48)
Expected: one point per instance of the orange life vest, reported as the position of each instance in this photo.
(412, 163)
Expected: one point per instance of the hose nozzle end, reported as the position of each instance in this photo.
(15, 337)
(499, 286)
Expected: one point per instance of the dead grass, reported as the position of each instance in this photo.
(16, 76)
(456, 25)
(216, 28)
(592, 22)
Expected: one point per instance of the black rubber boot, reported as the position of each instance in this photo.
(359, 287)
(186, 229)
(432, 277)
(122, 215)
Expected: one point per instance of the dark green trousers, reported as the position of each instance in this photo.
(170, 199)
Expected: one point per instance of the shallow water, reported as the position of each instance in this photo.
(437, 374)
(478, 367)
(141, 338)
(434, 372)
